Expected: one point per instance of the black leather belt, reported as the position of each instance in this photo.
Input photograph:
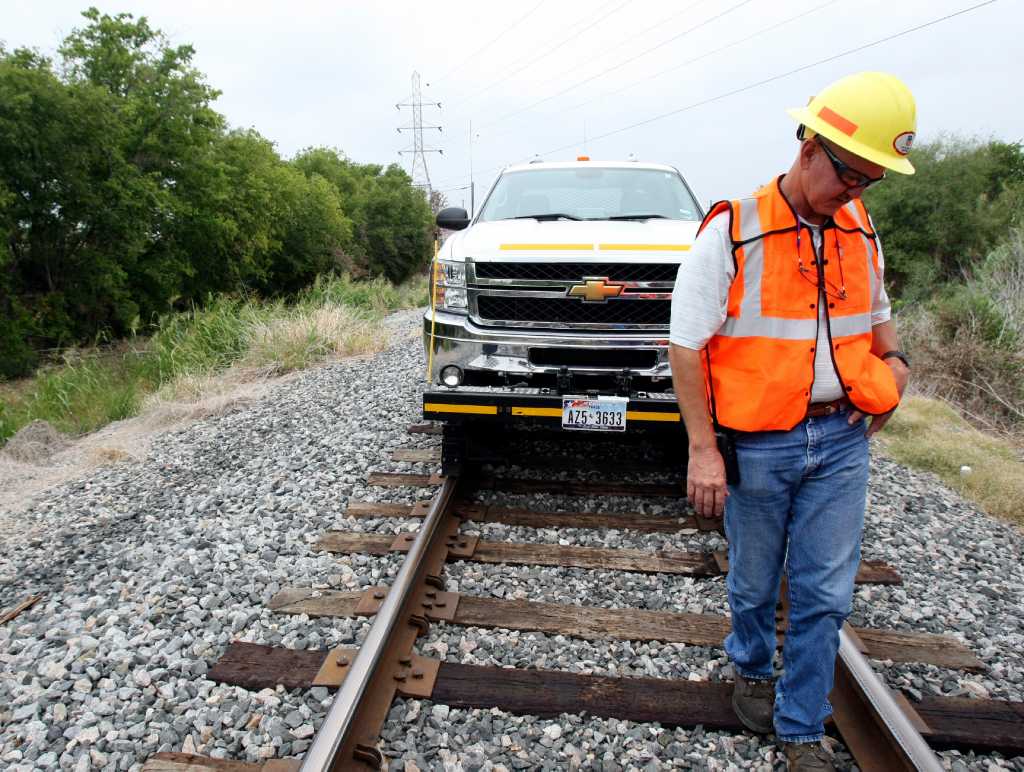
(818, 409)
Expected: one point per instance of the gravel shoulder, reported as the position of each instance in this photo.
(150, 566)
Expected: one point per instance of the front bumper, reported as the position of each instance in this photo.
(539, 406)
(502, 357)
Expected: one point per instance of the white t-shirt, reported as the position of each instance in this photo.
(701, 295)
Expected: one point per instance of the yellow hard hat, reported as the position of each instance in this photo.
(871, 114)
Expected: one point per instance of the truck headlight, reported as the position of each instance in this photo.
(454, 297)
(450, 285)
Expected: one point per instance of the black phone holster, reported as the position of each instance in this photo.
(726, 441)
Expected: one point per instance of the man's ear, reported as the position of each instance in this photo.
(807, 150)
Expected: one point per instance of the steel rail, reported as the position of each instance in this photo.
(342, 717)
(887, 740)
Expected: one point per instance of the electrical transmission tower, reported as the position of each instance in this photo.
(419, 173)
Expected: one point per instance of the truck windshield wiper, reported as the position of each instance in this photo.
(548, 216)
(637, 217)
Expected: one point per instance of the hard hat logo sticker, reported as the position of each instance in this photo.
(903, 142)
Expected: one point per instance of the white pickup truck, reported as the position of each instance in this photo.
(552, 304)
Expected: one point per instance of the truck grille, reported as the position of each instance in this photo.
(573, 311)
(557, 271)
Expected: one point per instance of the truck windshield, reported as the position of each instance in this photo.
(591, 193)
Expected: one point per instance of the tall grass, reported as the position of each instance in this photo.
(334, 317)
(78, 396)
(929, 434)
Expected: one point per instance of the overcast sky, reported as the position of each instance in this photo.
(552, 77)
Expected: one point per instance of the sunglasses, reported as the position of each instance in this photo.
(847, 175)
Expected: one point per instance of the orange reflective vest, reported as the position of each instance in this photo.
(760, 363)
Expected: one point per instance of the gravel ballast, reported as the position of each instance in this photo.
(149, 569)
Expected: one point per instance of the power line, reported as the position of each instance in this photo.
(657, 25)
(450, 190)
(692, 60)
(605, 52)
(686, 63)
(623, 63)
(780, 76)
(530, 60)
(765, 81)
(477, 173)
(484, 47)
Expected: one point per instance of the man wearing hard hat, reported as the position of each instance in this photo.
(782, 345)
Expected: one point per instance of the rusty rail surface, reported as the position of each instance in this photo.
(879, 734)
(347, 737)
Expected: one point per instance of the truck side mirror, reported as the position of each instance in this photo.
(453, 218)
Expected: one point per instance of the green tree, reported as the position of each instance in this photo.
(16, 354)
(74, 214)
(96, 162)
(397, 225)
(169, 130)
(391, 218)
(123, 196)
(939, 223)
(275, 229)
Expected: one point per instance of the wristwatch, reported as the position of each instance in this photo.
(898, 355)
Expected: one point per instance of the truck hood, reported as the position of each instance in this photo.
(607, 239)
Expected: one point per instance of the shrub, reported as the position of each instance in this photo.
(967, 344)
(939, 223)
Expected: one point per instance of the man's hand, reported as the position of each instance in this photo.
(902, 374)
(705, 482)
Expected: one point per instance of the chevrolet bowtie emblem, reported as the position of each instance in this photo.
(596, 289)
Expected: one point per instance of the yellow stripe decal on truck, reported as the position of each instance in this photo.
(645, 247)
(546, 412)
(642, 415)
(549, 247)
(554, 412)
(437, 407)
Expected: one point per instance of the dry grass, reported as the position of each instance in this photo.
(929, 434)
(286, 340)
(307, 336)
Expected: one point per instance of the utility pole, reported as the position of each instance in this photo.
(472, 182)
(419, 173)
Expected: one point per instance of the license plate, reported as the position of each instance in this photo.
(596, 414)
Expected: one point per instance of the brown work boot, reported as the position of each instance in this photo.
(809, 757)
(753, 701)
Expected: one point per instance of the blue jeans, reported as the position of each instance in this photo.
(799, 505)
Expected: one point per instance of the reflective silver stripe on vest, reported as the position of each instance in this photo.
(854, 324)
(751, 323)
(750, 219)
(769, 327)
(869, 247)
(753, 263)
